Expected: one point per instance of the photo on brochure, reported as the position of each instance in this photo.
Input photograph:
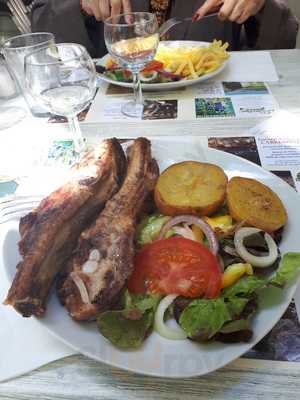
(214, 107)
(160, 109)
(61, 152)
(242, 146)
(244, 88)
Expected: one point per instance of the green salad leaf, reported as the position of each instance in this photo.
(227, 317)
(202, 318)
(236, 305)
(127, 328)
(244, 287)
(288, 268)
(149, 229)
(123, 332)
(236, 325)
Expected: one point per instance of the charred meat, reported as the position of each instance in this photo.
(50, 233)
(103, 260)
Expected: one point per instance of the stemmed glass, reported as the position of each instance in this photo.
(132, 40)
(62, 78)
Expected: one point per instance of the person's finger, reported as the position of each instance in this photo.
(116, 7)
(206, 8)
(104, 8)
(250, 8)
(93, 6)
(237, 11)
(245, 15)
(126, 6)
(86, 6)
(227, 9)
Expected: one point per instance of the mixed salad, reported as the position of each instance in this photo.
(203, 258)
(154, 72)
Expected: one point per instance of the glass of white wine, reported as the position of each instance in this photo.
(132, 40)
(62, 78)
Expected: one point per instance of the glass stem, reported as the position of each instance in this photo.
(137, 88)
(76, 134)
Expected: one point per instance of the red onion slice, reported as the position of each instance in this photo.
(192, 219)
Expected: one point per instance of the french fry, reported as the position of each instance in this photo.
(192, 62)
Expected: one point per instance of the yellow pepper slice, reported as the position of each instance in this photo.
(234, 272)
(223, 222)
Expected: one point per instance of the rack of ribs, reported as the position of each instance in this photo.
(103, 259)
(50, 232)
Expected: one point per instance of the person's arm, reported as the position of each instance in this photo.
(275, 25)
(269, 24)
(65, 20)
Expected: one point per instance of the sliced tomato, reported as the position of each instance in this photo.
(153, 66)
(176, 266)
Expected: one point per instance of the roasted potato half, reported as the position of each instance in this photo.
(191, 187)
(255, 203)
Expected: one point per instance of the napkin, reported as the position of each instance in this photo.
(24, 345)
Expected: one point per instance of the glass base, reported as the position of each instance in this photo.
(9, 116)
(134, 110)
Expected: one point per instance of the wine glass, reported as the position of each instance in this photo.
(62, 78)
(132, 40)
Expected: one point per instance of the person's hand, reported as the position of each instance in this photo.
(233, 10)
(102, 9)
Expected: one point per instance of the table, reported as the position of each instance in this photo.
(77, 377)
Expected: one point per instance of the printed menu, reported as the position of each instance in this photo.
(208, 100)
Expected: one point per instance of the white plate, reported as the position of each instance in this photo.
(167, 85)
(159, 356)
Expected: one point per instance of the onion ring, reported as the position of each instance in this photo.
(160, 325)
(191, 219)
(255, 261)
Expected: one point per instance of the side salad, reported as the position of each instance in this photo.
(154, 72)
(203, 258)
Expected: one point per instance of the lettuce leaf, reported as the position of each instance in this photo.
(123, 332)
(244, 287)
(202, 319)
(128, 328)
(149, 228)
(288, 268)
(236, 305)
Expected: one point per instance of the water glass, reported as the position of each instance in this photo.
(132, 40)
(62, 77)
(15, 50)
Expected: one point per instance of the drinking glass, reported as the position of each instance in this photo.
(62, 78)
(15, 50)
(9, 115)
(132, 40)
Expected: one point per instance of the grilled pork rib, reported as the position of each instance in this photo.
(103, 260)
(50, 233)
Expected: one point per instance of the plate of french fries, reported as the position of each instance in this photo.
(176, 64)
